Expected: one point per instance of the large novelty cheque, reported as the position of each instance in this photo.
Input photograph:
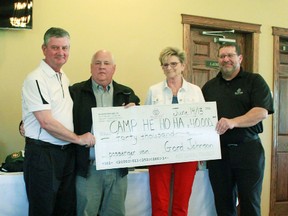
(155, 134)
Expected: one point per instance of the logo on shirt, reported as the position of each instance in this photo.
(238, 91)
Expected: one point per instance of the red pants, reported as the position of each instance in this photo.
(160, 184)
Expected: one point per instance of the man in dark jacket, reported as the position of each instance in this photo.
(99, 192)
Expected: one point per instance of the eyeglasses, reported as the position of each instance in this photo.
(229, 55)
(172, 65)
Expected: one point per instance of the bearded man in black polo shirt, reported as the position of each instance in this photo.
(243, 101)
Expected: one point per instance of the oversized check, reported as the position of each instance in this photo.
(155, 134)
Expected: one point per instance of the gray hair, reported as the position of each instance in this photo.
(103, 51)
(55, 32)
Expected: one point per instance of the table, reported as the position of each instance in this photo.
(14, 200)
(13, 195)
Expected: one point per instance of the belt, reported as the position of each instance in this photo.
(250, 138)
(245, 140)
(232, 145)
(47, 144)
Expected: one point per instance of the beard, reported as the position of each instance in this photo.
(229, 70)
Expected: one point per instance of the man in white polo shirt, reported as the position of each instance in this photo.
(47, 116)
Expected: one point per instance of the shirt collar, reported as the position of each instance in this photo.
(239, 75)
(98, 87)
(184, 85)
(48, 70)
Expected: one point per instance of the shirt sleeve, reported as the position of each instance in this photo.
(35, 95)
(261, 94)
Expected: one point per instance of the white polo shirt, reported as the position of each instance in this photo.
(43, 89)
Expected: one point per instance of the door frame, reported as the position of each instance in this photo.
(277, 34)
(252, 30)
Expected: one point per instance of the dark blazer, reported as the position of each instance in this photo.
(84, 99)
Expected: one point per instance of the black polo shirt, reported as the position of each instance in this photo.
(235, 98)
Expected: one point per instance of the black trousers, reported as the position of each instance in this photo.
(238, 174)
(49, 178)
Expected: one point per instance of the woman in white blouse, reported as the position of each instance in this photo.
(174, 89)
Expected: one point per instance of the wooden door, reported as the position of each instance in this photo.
(204, 55)
(279, 168)
(202, 51)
